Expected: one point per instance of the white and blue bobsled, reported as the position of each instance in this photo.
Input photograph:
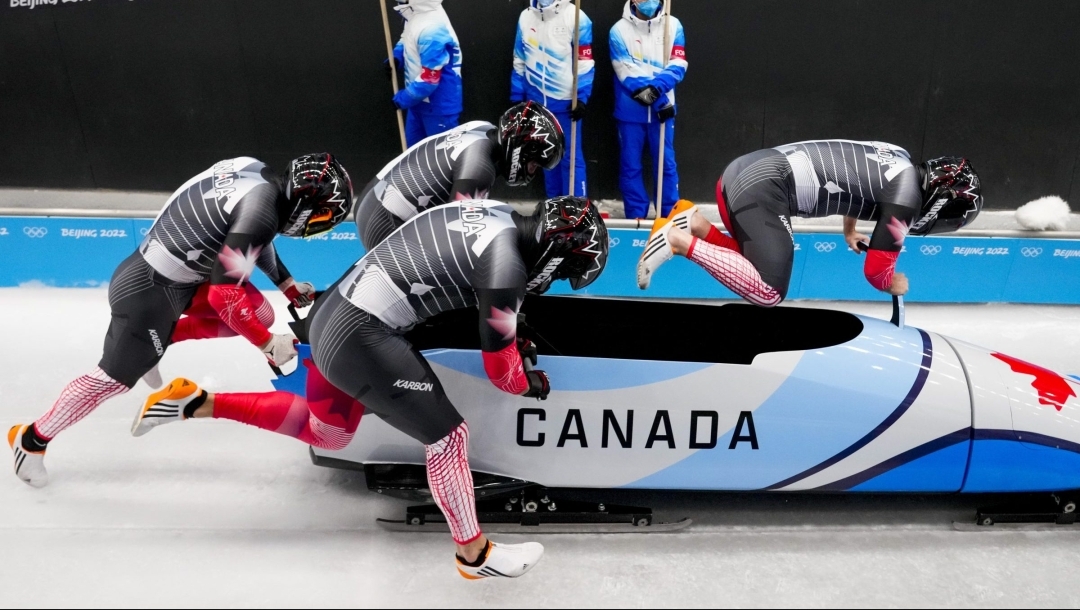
(736, 397)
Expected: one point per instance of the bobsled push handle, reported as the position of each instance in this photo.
(897, 301)
(897, 311)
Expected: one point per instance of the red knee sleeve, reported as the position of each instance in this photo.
(717, 238)
(504, 369)
(879, 268)
(236, 310)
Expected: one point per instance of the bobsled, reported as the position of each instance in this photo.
(681, 396)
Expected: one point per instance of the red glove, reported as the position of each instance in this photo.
(300, 295)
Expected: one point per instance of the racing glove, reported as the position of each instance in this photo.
(578, 113)
(646, 96)
(528, 352)
(281, 349)
(300, 295)
(539, 385)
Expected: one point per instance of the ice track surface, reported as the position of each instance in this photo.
(219, 514)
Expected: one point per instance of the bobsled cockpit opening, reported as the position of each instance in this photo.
(639, 329)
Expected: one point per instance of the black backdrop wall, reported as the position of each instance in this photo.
(142, 94)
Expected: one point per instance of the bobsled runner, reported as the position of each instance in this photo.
(677, 396)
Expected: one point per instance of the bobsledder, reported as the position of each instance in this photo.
(784, 399)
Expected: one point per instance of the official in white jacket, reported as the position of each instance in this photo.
(431, 55)
(544, 73)
(645, 98)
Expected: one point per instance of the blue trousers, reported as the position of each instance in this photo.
(557, 181)
(633, 137)
(419, 126)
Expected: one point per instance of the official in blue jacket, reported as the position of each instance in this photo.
(431, 55)
(544, 73)
(645, 98)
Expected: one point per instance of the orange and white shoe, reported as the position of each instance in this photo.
(29, 465)
(657, 252)
(167, 405)
(503, 560)
(681, 214)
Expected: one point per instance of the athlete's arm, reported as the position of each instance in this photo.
(252, 229)
(434, 44)
(885, 245)
(498, 338)
(853, 237)
(499, 283)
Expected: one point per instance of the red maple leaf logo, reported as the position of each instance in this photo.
(1052, 388)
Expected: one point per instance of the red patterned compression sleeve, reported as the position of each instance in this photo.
(504, 369)
(235, 310)
(879, 268)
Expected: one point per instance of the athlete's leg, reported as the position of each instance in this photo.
(375, 364)
(143, 316)
(631, 143)
(326, 417)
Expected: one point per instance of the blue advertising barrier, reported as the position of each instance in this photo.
(67, 252)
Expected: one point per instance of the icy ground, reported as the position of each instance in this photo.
(215, 514)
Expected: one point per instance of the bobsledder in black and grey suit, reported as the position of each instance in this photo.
(459, 164)
(479, 254)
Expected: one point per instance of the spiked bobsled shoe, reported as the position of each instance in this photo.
(505, 560)
(168, 405)
(657, 252)
(29, 465)
(681, 214)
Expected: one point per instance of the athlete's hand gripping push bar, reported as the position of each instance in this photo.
(539, 384)
(897, 301)
(298, 327)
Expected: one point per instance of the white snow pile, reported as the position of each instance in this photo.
(1044, 214)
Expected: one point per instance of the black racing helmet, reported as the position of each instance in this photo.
(573, 244)
(319, 194)
(952, 196)
(530, 137)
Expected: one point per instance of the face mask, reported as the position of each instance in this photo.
(647, 8)
(545, 3)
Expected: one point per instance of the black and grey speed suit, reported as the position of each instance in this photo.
(217, 228)
(456, 165)
(760, 192)
(449, 257)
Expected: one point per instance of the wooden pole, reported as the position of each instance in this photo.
(393, 72)
(663, 125)
(574, 100)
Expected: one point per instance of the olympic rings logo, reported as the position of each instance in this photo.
(825, 246)
(929, 250)
(35, 232)
(613, 241)
(1031, 252)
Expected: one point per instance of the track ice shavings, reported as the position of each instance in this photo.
(219, 514)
